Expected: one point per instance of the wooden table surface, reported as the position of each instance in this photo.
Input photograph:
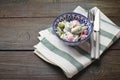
(20, 22)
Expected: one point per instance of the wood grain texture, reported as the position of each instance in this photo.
(46, 8)
(21, 33)
(25, 65)
(107, 68)
(20, 22)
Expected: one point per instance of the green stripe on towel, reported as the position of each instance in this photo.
(109, 23)
(63, 54)
(103, 47)
(50, 29)
(83, 52)
(108, 35)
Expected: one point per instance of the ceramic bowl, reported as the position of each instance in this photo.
(70, 16)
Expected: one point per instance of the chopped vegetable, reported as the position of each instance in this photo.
(72, 31)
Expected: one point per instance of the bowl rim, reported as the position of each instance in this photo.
(74, 42)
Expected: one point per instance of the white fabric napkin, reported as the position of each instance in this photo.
(73, 59)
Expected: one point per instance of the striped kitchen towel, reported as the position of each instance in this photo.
(73, 59)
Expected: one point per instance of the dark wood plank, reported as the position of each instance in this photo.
(107, 68)
(45, 8)
(25, 65)
(20, 22)
(21, 33)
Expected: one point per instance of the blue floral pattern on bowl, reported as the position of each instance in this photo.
(70, 16)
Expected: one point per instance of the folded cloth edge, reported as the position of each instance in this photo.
(69, 76)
